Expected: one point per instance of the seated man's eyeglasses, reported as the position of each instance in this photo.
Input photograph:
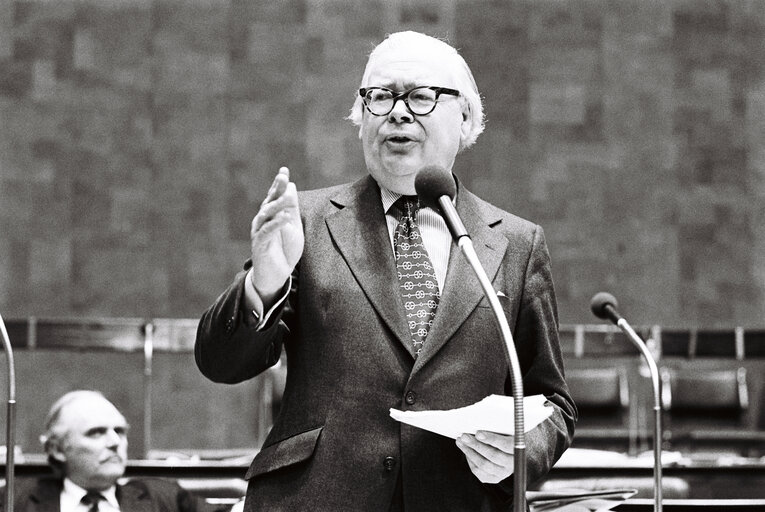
(420, 101)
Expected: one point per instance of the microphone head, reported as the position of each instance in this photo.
(433, 182)
(599, 305)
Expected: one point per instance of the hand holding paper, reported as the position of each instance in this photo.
(494, 413)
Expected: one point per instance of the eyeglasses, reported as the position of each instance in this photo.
(420, 101)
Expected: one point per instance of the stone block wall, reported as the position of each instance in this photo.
(137, 138)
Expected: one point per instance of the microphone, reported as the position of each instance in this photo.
(604, 306)
(435, 186)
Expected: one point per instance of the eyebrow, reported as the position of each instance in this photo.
(405, 86)
(120, 429)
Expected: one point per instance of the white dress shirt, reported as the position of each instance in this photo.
(435, 233)
(72, 494)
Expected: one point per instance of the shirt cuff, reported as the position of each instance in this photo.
(255, 318)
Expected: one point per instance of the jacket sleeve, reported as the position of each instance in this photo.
(537, 343)
(230, 350)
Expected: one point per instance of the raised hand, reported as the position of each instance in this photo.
(276, 237)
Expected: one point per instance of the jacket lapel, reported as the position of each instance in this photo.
(462, 291)
(45, 497)
(359, 229)
(133, 497)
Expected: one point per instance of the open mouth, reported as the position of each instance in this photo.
(399, 139)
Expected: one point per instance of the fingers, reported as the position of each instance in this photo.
(485, 450)
(489, 455)
(286, 203)
(501, 442)
(263, 226)
(280, 204)
(484, 469)
(279, 185)
(485, 472)
(276, 237)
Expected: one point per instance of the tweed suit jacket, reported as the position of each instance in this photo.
(333, 446)
(137, 495)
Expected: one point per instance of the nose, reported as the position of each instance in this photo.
(113, 438)
(400, 112)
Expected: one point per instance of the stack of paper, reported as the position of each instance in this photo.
(495, 413)
(577, 500)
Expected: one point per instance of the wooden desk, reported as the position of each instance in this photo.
(705, 480)
(733, 505)
(36, 467)
(701, 480)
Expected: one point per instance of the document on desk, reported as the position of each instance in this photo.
(495, 413)
(577, 500)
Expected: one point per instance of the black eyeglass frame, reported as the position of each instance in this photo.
(405, 97)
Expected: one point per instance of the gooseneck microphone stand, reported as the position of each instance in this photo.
(519, 443)
(604, 306)
(10, 425)
(437, 187)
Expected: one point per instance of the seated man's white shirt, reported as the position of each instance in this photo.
(72, 494)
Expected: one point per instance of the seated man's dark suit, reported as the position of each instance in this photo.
(137, 495)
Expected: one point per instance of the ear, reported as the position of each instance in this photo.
(467, 122)
(54, 449)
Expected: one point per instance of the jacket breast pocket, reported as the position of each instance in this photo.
(504, 301)
(284, 453)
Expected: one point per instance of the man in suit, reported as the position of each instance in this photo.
(330, 280)
(86, 442)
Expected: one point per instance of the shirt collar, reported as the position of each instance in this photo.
(388, 198)
(73, 493)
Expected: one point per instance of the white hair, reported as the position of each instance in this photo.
(405, 42)
(54, 430)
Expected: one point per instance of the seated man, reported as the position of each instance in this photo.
(86, 442)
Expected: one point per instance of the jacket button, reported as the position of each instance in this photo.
(389, 463)
(411, 397)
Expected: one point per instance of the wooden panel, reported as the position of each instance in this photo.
(716, 343)
(18, 332)
(754, 343)
(676, 342)
(121, 334)
(174, 335)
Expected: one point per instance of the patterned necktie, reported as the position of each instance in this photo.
(91, 500)
(417, 278)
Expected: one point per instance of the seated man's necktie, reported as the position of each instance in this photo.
(91, 500)
(417, 278)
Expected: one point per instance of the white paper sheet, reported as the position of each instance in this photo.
(577, 500)
(494, 413)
